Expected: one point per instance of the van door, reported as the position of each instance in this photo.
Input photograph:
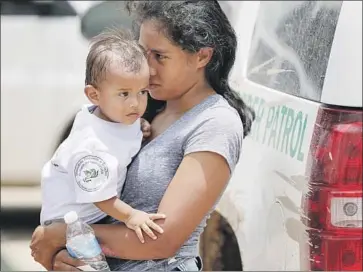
(279, 71)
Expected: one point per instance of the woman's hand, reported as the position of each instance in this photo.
(46, 241)
(64, 262)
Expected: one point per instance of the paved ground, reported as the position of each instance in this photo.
(15, 252)
(19, 216)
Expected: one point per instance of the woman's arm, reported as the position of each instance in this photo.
(198, 183)
(196, 186)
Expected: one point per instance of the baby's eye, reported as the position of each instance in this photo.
(124, 94)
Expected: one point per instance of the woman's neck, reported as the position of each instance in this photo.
(189, 99)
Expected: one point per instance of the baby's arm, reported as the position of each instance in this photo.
(95, 175)
(134, 219)
(116, 208)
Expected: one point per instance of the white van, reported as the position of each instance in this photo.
(295, 199)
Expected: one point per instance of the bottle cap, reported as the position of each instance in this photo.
(70, 217)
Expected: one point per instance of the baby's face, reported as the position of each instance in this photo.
(123, 95)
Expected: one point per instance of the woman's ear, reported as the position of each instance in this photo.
(92, 94)
(204, 56)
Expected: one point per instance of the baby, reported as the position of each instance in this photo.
(87, 172)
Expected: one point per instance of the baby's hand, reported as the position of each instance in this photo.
(145, 128)
(141, 221)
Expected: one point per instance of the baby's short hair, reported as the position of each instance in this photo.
(112, 45)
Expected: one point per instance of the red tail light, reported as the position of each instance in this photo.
(333, 205)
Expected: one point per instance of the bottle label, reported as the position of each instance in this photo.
(72, 253)
(83, 247)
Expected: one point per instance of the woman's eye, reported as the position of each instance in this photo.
(159, 57)
(124, 94)
(143, 92)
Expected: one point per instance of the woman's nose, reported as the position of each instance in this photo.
(152, 71)
(150, 61)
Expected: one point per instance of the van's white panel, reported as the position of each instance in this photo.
(343, 82)
(263, 200)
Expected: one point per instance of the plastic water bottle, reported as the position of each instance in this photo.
(82, 244)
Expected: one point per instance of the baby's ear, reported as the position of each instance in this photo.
(92, 94)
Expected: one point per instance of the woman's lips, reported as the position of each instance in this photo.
(152, 86)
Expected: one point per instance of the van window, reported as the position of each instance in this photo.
(291, 45)
(40, 8)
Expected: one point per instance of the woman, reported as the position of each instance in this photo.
(184, 167)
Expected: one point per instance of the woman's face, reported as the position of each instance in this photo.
(172, 71)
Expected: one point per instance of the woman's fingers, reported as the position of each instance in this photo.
(59, 266)
(155, 216)
(139, 234)
(148, 231)
(41, 249)
(37, 235)
(64, 256)
(64, 262)
(155, 226)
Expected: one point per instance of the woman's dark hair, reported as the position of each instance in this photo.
(193, 25)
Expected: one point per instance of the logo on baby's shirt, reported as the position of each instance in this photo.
(90, 173)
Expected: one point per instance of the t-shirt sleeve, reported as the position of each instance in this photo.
(221, 133)
(95, 176)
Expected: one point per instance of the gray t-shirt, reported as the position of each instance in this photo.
(213, 125)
